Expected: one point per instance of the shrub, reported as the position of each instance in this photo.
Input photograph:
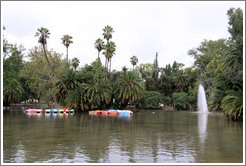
(151, 99)
(180, 100)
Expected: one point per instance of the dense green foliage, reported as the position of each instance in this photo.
(128, 88)
(221, 66)
(151, 99)
(47, 76)
(42, 80)
(180, 100)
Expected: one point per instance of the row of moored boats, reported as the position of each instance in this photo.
(96, 112)
(48, 111)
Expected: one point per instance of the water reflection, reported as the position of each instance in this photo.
(49, 115)
(164, 137)
(202, 128)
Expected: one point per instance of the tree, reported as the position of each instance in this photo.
(12, 91)
(109, 52)
(42, 81)
(43, 35)
(99, 89)
(107, 32)
(14, 62)
(232, 103)
(180, 80)
(12, 65)
(128, 88)
(145, 71)
(151, 99)
(180, 100)
(124, 69)
(134, 60)
(236, 28)
(66, 83)
(99, 92)
(77, 98)
(155, 74)
(99, 45)
(75, 63)
(66, 41)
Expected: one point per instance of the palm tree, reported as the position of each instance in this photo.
(43, 35)
(124, 69)
(109, 52)
(67, 82)
(134, 60)
(99, 92)
(107, 32)
(180, 80)
(77, 98)
(232, 103)
(128, 88)
(66, 41)
(12, 91)
(75, 63)
(99, 44)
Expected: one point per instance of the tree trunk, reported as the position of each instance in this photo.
(110, 65)
(47, 58)
(67, 58)
(106, 62)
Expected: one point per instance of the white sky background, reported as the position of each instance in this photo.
(141, 28)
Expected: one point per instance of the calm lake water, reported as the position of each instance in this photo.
(145, 137)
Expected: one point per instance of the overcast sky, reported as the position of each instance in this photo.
(141, 28)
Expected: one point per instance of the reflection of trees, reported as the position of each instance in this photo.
(225, 144)
(145, 137)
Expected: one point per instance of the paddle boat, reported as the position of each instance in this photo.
(125, 112)
(41, 111)
(30, 111)
(47, 111)
(54, 111)
(110, 112)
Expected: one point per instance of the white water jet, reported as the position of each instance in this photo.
(201, 101)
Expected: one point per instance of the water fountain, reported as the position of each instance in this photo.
(201, 100)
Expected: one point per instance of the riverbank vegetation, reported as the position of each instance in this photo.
(49, 77)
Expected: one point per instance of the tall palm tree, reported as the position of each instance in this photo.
(66, 41)
(134, 60)
(75, 63)
(12, 91)
(99, 44)
(107, 32)
(128, 88)
(109, 48)
(43, 35)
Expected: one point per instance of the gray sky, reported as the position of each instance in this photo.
(141, 28)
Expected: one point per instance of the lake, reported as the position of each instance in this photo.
(145, 137)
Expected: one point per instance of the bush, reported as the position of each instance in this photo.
(180, 100)
(151, 99)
